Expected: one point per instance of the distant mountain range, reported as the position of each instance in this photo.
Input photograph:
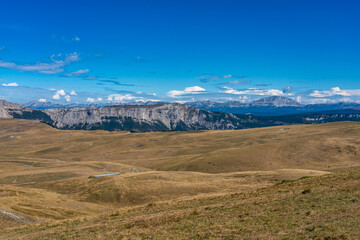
(48, 105)
(276, 101)
(166, 117)
(270, 106)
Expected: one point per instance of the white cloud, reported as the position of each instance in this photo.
(194, 89)
(255, 91)
(186, 91)
(73, 93)
(56, 97)
(61, 92)
(55, 66)
(42, 100)
(76, 39)
(148, 100)
(67, 98)
(58, 94)
(2, 48)
(122, 98)
(93, 100)
(90, 100)
(14, 84)
(77, 73)
(335, 91)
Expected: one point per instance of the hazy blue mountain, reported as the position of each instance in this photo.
(269, 106)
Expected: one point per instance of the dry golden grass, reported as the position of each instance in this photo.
(322, 207)
(177, 184)
(321, 147)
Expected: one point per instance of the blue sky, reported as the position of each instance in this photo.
(137, 50)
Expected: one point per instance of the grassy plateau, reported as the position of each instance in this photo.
(288, 182)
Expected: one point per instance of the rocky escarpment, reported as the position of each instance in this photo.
(6, 108)
(13, 110)
(162, 117)
(171, 116)
(140, 118)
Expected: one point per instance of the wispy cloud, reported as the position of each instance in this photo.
(186, 91)
(53, 67)
(287, 89)
(211, 77)
(255, 91)
(235, 82)
(75, 39)
(262, 84)
(116, 83)
(136, 60)
(335, 91)
(66, 39)
(91, 77)
(77, 73)
(14, 84)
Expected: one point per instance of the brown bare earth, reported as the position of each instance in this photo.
(289, 182)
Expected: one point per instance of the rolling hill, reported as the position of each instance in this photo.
(323, 207)
(199, 184)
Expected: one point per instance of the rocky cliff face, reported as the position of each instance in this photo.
(162, 117)
(172, 116)
(6, 108)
